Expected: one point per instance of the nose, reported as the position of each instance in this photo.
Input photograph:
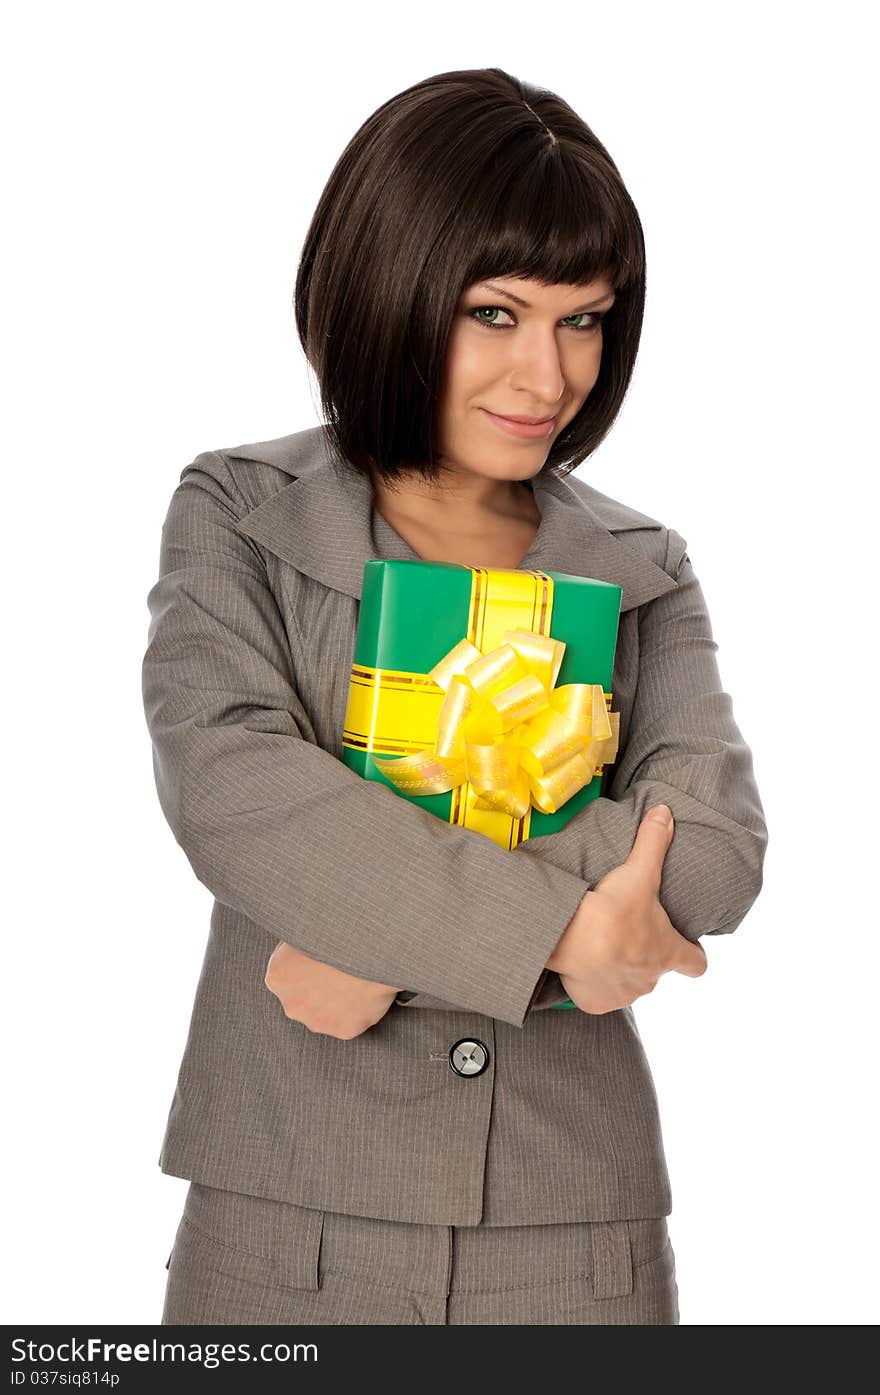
(537, 372)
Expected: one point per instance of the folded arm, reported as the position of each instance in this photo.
(342, 868)
(683, 748)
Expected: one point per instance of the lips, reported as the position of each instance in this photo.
(526, 429)
(525, 421)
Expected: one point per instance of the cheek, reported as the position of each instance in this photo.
(466, 372)
(582, 369)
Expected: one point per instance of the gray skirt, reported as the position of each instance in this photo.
(241, 1259)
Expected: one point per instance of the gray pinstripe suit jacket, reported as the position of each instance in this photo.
(245, 683)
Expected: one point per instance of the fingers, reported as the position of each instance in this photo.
(691, 960)
(651, 844)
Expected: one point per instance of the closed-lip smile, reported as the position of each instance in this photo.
(527, 421)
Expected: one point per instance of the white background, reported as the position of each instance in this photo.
(162, 163)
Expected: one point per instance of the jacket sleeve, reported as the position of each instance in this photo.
(685, 749)
(277, 828)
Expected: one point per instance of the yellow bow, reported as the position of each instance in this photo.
(507, 730)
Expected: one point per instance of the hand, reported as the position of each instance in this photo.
(325, 999)
(620, 940)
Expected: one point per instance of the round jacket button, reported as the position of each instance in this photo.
(468, 1057)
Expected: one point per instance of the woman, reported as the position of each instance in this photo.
(380, 1119)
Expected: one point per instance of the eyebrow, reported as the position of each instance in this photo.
(498, 290)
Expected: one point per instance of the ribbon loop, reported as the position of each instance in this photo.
(505, 728)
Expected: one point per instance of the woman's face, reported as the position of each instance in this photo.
(537, 359)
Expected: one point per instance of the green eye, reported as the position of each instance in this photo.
(595, 317)
(490, 310)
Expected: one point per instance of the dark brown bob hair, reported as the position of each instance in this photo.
(467, 175)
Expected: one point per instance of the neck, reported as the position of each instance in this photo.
(457, 494)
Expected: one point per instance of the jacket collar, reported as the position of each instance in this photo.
(324, 523)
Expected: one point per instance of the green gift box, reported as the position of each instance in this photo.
(484, 694)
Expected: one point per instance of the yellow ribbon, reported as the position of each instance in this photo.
(505, 728)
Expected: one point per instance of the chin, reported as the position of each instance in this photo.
(511, 470)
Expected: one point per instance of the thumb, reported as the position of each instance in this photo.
(652, 842)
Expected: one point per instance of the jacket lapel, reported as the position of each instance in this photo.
(324, 524)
